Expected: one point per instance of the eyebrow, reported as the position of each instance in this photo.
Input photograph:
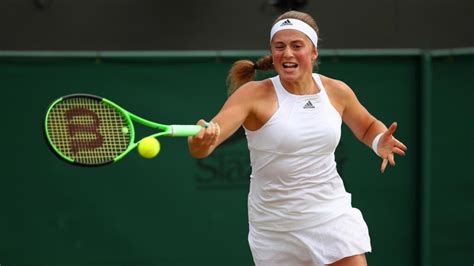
(291, 42)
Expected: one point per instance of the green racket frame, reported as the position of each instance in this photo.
(165, 130)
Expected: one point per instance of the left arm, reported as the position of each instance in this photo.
(366, 127)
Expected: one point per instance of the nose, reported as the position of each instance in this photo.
(287, 52)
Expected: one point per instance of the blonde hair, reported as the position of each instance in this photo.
(244, 71)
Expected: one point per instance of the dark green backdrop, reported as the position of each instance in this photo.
(175, 210)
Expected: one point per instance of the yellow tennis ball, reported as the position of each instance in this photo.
(149, 147)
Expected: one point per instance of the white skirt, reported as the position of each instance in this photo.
(344, 236)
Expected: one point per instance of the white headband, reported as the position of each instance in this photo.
(295, 24)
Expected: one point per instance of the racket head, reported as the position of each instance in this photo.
(88, 130)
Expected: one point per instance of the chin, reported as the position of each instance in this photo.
(290, 76)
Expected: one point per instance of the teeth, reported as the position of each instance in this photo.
(290, 65)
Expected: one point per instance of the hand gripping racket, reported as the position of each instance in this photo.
(89, 130)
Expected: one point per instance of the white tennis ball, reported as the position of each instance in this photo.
(149, 147)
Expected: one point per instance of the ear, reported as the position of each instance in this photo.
(314, 54)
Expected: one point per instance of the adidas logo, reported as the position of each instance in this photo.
(309, 104)
(286, 23)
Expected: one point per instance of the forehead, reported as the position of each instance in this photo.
(289, 35)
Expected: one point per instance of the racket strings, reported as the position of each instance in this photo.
(87, 130)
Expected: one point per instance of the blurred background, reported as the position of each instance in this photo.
(408, 61)
(229, 25)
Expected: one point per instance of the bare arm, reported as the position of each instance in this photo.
(231, 116)
(366, 127)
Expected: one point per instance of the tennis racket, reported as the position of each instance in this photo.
(89, 130)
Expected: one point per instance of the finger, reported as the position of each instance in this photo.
(191, 139)
(391, 159)
(384, 165)
(211, 133)
(207, 133)
(202, 123)
(201, 133)
(212, 136)
(401, 145)
(392, 128)
(198, 138)
(398, 151)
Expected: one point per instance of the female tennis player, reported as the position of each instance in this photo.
(299, 211)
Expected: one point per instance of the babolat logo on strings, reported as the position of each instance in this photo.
(309, 104)
(286, 23)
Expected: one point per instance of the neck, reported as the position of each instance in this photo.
(304, 86)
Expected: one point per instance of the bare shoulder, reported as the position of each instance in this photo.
(255, 90)
(258, 101)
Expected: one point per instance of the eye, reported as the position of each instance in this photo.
(279, 47)
(298, 45)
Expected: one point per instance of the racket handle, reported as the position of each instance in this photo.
(184, 130)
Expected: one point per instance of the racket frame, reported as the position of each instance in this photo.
(130, 118)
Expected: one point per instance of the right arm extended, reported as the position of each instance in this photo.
(231, 116)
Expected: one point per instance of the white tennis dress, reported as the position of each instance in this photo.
(294, 182)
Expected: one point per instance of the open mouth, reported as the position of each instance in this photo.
(290, 65)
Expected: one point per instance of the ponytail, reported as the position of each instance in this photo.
(244, 71)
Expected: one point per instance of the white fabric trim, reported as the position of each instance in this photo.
(375, 143)
(295, 24)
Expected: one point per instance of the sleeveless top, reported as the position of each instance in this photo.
(294, 182)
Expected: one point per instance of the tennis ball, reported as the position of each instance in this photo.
(149, 147)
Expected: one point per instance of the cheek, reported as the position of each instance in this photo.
(277, 59)
(276, 56)
(305, 60)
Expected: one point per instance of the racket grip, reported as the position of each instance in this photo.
(184, 130)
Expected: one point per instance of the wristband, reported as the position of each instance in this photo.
(375, 143)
